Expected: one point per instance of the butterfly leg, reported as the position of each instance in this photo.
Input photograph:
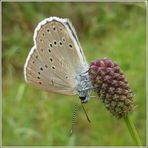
(85, 112)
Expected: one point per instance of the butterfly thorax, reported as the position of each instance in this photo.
(84, 86)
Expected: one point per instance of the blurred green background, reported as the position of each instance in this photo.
(35, 117)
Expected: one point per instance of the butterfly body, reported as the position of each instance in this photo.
(56, 62)
(84, 86)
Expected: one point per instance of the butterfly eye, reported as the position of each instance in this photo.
(48, 30)
(40, 83)
(39, 73)
(38, 77)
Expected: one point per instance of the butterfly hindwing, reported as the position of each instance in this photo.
(56, 58)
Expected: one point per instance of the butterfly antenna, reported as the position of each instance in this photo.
(74, 118)
(85, 112)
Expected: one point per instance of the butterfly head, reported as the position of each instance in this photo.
(84, 99)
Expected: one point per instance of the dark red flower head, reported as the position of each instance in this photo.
(111, 86)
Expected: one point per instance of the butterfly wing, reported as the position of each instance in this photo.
(56, 57)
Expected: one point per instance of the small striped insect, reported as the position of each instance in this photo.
(56, 62)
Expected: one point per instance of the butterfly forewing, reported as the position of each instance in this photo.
(56, 58)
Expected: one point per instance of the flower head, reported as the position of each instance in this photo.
(111, 86)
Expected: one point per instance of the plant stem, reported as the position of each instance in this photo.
(132, 130)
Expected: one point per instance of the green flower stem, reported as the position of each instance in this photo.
(132, 130)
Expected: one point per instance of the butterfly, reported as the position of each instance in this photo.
(56, 62)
